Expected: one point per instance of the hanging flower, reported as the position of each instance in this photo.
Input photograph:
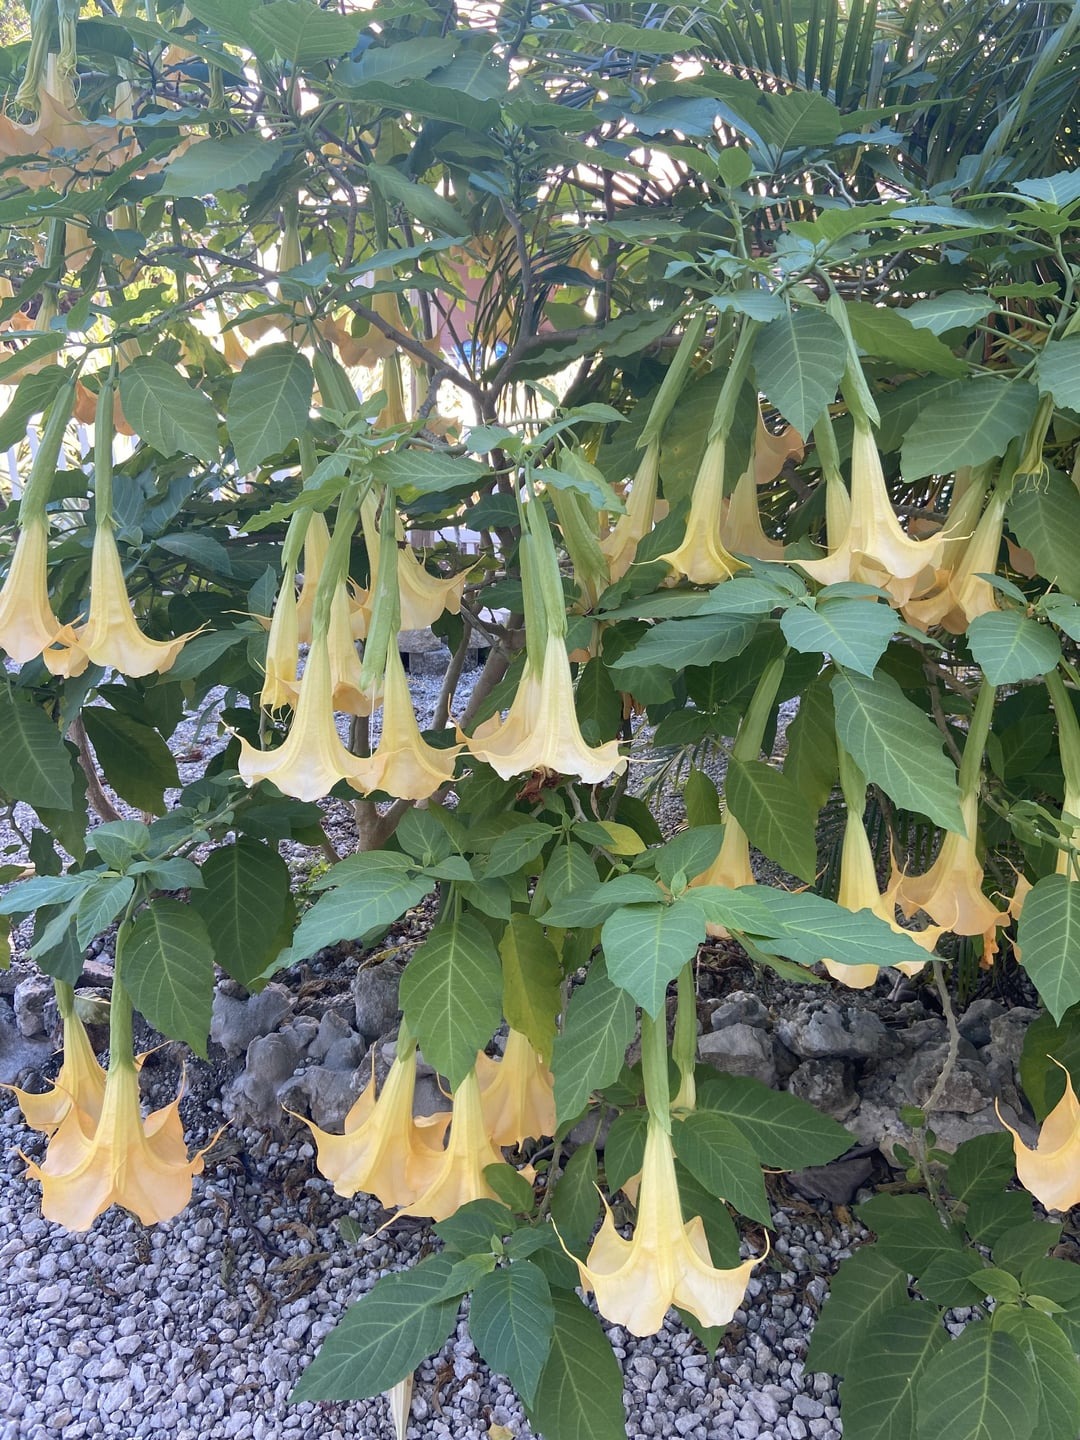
(123, 1159)
(403, 764)
(731, 868)
(111, 636)
(859, 891)
(874, 549)
(517, 1093)
(280, 684)
(741, 527)
(951, 891)
(772, 452)
(1052, 1170)
(383, 1150)
(459, 1174)
(316, 544)
(666, 1263)
(28, 625)
(963, 594)
(541, 731)
(423, 597)
(313, 757)
(620, 544)
(80, 1085)
(702, 557)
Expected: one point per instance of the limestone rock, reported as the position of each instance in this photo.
(236, 1021)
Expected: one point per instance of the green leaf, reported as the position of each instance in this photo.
(44, 890)
(214, 166)
(647, 945)
(690, 852)
(517, 847)
(980, 1165)
(799, 360)
(948, 1280)
(892, 740)
(450, 995)
(1058, 368)
(532, 977)
(1057, 1373)
(168, 966)
(511, 1319)
(1057, 1281)
(867, 1285)
(783, 1130)
(853, 632)
(811, 759)
(953, 310)
(134, 758)
(778, 820)
(1048, 936)
(100, 904)
(1042, 1081)
(301, 33)
(419, 201)
(877, 1399)
(981, 1387)
(1045, 518)
(974, 425)
(168, 413)
(890, 335)
(1009, 646)
(989, 1216)
(1018, 1246)
(474, 1225)
(245, 906)
(591, 1048)
(428, 472)
(35, 765)
(909, 1231)
(269, 404)
(1058, 191)
(702, 640)
(717, 1153)
(403, 1319)
(575, 1202)
(34, 394)
(624, 1148)
(579, 1396)
(353, 910)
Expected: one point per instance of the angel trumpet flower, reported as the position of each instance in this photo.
(80, 1085)
(423, 597)
(619, 545)
(383, 1150)
(741, 526)
(667, 1262)
(541, 731)
(517, 1093)
(316, 544)
(28, 625)
(459, 1172)
(313, 757)
(731, 868)
(282, 649)
(1068, 859)
(702, 557)
(874, 548)
(111, 636)
(1052, 1171)
(964, 593)
(403, 764)
(772, 452)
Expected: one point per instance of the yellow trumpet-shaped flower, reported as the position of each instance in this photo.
(541, 731)
(963, 593)
(741, 526)
(423, 596)
(316, 544)
(859, 891)
(121, 1160)
(111, 636)
(347, 687)
(28, 625)
(619, 545)
(1052, 1171)
(772, 452)
(459, 1173)
(282, 650)
(313, 758)
(702, 557)
(730, 868)
(517, 1093)
(80, 1085)
(874, 549)
(384, 1151)
(403, 764)
(951, 892)
(667, 1262)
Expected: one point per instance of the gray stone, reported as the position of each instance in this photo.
(236, 1021)
(31, 998)
(333, 1028)
(1007, 1034)
(327, 1095)
(18, 1055)
(841, 1031)
(741, 1050)
(740, 1008)
(967, 1088)
(375, 996)
(270, 1061)
(974, 1023)
(826, 1084)
(429, 1098)
(838, 1182)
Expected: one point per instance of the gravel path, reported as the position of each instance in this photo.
(198, 1328)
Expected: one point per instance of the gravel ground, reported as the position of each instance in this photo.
(199, 1328)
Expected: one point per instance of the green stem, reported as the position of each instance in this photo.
(39, 484)
(654, 1068)
(977, 736)
(751, 734)
(337, 563)
(724, 414)
(65, 999)
(1068, 730)
(673, 381)
(386, 602)
(852, 782)
(121, 1048)
(684, 1045)
(103, 454)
